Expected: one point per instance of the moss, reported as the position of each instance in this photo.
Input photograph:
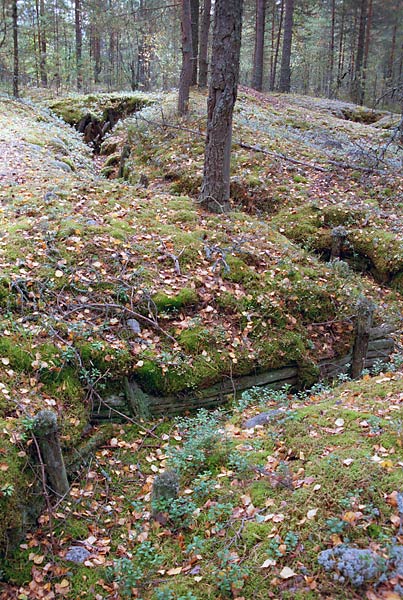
(254, 533)
(15, 509)
(239, 271)
(17, 568)
(112, 161)
(165, 303)
(18, 354)
(67, 161)
(101, 356)
(384, 249)
(260, 491)
(194, 339)
(281, 349)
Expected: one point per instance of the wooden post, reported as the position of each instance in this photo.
(363, 324)
(47, 433)
(339, 235)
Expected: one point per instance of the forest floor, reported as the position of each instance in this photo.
(212, 297)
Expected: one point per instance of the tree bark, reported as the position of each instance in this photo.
(194, 12)
(215, 191)
(187, 50)
(203, 49)
(330, 76)
(275, 61)
(79, 43)
(358, 90)
(258, 56)
(16, 73)
(43, 45)
(285, 73)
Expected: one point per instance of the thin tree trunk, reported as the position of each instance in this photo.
(358, 90)
(42, 44)
(215, 191)
(187, 50)
(331, 50)
(203, 49)
(16, 73)
(366, 51)
(79, 43)
(194, 11)
(280, 29)
(340, 67)
(389, 73)
(285, 73)
(258, 56)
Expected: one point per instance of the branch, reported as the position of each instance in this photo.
(283, 157)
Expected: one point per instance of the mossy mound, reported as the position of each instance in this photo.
(368, 245)
(73, 108)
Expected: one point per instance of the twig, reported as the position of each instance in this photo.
(282, 157)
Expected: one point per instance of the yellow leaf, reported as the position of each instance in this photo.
(287, 573)
(268, 563)
(174, 571)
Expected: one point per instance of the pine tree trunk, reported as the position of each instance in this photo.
(340, 66)
(366, 51)
(331, 51)
(280, 29)
(194, 11)
(258, 56)
(203, 49)
(187, 51)
(43, 45)
(16, 73)
(358, 91)
(215, 192)
(285, 73)
(79, 43)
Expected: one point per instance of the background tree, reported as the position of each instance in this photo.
(187, 56)
(16, 71)
(215, 191)
(258, 55)
(194, 12)
(203, 49)
(285, 73)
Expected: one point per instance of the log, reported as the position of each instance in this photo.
(381, 332)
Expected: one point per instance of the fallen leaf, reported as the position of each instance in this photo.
(287, 573)
(311, 514)
(174, 571)
(268, 563)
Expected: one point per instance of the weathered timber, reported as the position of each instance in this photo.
(363, 326)
(134, 401)
(339, 236)
(381, 332)
(47, 434)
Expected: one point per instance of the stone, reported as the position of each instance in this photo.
(77, 554)
(165, 487)
(62, 165)
(263, 418)
(134, 325)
